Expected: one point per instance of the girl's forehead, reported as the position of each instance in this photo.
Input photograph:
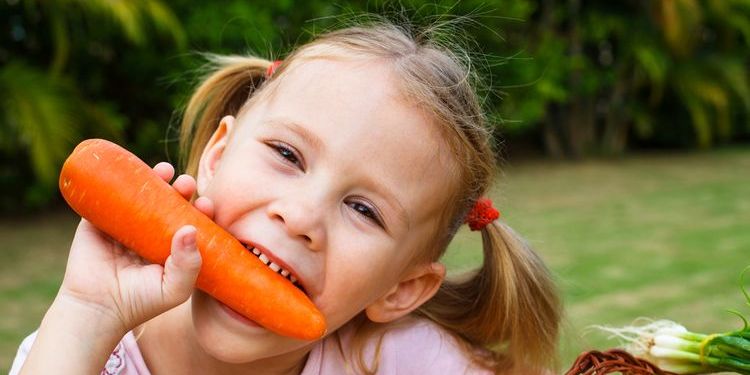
(355, 82)
(361, 97)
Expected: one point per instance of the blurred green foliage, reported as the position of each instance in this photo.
(577, 77)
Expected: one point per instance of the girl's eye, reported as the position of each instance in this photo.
(366, 211)
(287, 154)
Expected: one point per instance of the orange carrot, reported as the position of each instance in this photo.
(126, 199)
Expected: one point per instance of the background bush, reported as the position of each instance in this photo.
(571, 78)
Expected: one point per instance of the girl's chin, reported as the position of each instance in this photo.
(232, 338)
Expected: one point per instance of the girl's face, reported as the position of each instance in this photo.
(338, 179)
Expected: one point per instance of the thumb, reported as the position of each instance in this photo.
(181, 268)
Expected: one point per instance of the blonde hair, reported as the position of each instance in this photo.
(509, 306)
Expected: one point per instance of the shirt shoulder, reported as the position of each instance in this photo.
(423, 347)
(416, 346)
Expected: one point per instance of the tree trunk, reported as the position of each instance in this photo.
(580, 127)
(552, 133)
(579, 122)
(616, 122)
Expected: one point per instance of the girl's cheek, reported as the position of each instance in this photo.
(349, 299)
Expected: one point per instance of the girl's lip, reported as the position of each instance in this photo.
(235, 315)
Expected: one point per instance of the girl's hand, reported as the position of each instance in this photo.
(118, 285)
(108, 290)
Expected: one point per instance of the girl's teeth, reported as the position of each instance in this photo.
(273, 266)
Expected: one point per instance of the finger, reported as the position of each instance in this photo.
(88, 233)
(86, 226)
(185, 185)
(181, 268)
(205, 205)
(165, 171)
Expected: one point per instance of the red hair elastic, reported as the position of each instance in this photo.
(272, 68)
(482, 214)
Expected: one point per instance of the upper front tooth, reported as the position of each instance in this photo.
(274, 267)
(263, 258)
(284, 273)
(256, 251)
(293, 279)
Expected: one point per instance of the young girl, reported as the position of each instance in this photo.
(349, 168)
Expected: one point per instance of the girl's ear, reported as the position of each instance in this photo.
(213, 152)
(414, 290)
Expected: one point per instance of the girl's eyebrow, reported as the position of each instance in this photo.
(299, 130)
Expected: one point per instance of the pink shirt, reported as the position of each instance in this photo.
(418, 348)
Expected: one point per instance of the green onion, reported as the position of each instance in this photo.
(671, 347)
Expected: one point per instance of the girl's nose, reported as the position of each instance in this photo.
(301, 219)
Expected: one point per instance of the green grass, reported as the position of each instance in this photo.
(656, 236)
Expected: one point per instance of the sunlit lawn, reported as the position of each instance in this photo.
(657, 236)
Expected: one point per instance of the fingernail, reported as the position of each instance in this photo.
(188, 242)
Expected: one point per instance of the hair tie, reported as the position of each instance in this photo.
(272, 68)
(481, 214)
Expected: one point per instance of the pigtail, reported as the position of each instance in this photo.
(509, 305)
(222, 93)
